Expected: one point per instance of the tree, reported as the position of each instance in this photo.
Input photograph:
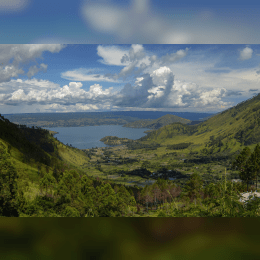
(146, 196)
(156, 193)
(71, 212)
(255, 162)
(107, 203)
(8, 187)
(241, 158)
(69, 184)
(48, 181)
(242, 163)
(127, 199)
(55, 174)
(194, 186)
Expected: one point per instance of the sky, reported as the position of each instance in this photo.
(52, 78)
(131, 21)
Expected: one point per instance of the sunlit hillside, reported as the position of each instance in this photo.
(227, 131)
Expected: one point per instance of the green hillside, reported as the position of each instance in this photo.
(42, 177)
(228, 131)
(157, 123)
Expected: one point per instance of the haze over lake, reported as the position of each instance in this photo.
(86, 137)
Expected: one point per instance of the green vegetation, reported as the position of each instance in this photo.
(174, 171)
(157, 123)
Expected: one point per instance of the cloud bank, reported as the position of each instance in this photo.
(151, 91)
(14, 57)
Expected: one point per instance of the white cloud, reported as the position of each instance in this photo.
(159, 90)
(19, 92)
(135, 60)
(246, 53)
(34, 69)
(111, 55)
(158, 83)
(86, 75)
(22, 54)
(7, 88)
(8, 71)
(13, 5)
(173, 57)
(156, 90)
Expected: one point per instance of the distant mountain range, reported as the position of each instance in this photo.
(104, 118)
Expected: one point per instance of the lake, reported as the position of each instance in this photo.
(87, 137)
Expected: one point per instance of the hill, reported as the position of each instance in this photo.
(37, 147)
(157, 123)
(227, 131)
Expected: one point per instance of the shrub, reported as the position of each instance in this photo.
(71, 212)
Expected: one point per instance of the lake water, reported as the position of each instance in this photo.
(87, 137)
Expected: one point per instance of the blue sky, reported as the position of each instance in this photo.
(131, 21)
(106, 77)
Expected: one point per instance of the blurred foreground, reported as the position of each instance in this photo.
(111, 238)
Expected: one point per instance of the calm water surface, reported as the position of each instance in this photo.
(86, 137)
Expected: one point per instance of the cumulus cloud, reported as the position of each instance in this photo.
(119, 56)
(14, 56)
(111, 55)
(156, 90)
(246, 53)
(9, 71)
(159, 90)
(45, 92)
(7, 6)
(135, 59)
